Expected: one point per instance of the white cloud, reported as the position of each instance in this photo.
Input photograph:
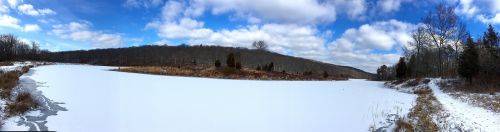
(256, 11)
(142, 3)
(354, 48)
(291, 39)
(299, 11)
(486, 11)
(31, 28)
(9, 21)
(3, 7)
(14, 3)
(490, 20)
(467, 8)
(389, 5)
(47, 11)
(81, 32)
(301, 41)
(289, 34)
(353, 8)
(380, 35)
(171, 10)
(185, 28)
(28, 9)
(357, 47)
(12, 22)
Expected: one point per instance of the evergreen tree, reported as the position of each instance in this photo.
(217, 63)
(491, 38)
(401, 68)
(410, 69)
(325, 74)
(382, 72)
(468, 65)
(492, 43)
(238, 65)
(231, 61)
(270, 67)
(490, 56)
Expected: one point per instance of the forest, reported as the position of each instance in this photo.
(442, 47)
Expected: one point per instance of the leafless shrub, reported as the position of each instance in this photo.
(426, 81)
(403, 126)
(23, 103)
(225, 72)
(413, 82)
(6, 63)
(7, 82)
(397, 82)
(425, 90)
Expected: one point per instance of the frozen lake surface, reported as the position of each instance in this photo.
(97, 99)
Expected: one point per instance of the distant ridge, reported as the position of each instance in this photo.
(157, 55)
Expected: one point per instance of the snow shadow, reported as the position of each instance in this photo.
(36, 119)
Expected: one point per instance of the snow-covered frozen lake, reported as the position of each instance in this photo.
(101, 100)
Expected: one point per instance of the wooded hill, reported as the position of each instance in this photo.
(205, 56)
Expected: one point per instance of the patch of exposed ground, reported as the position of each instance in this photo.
(427, 115)
(225, 73)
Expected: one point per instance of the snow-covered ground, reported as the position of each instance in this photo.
(466, 116)
(15, 66)
(97, 99)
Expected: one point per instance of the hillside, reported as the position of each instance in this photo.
(153, 55)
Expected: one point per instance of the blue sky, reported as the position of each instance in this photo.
(360, 33)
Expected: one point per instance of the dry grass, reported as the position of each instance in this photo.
(8, 81)
(486, 101)
(397, 82)
(403, 126)
(25, 69)
(425, 90)
(422, 115)
(423, 112)
(412, 82)
(480, 93)
(6, 63)
(488, 85)
(23, 103)
(223, 72)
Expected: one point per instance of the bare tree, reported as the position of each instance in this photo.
(444, 28)
(260, 45)
(419, 39)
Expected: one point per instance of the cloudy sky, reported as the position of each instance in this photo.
(359, 33)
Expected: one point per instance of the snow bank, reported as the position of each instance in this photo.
(15, 66)
(19, 65)
(101, 100)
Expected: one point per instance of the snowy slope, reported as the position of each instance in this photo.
(97, 99)
(465, 116)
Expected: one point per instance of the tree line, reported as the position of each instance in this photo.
(442, 47)
(12, 48)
